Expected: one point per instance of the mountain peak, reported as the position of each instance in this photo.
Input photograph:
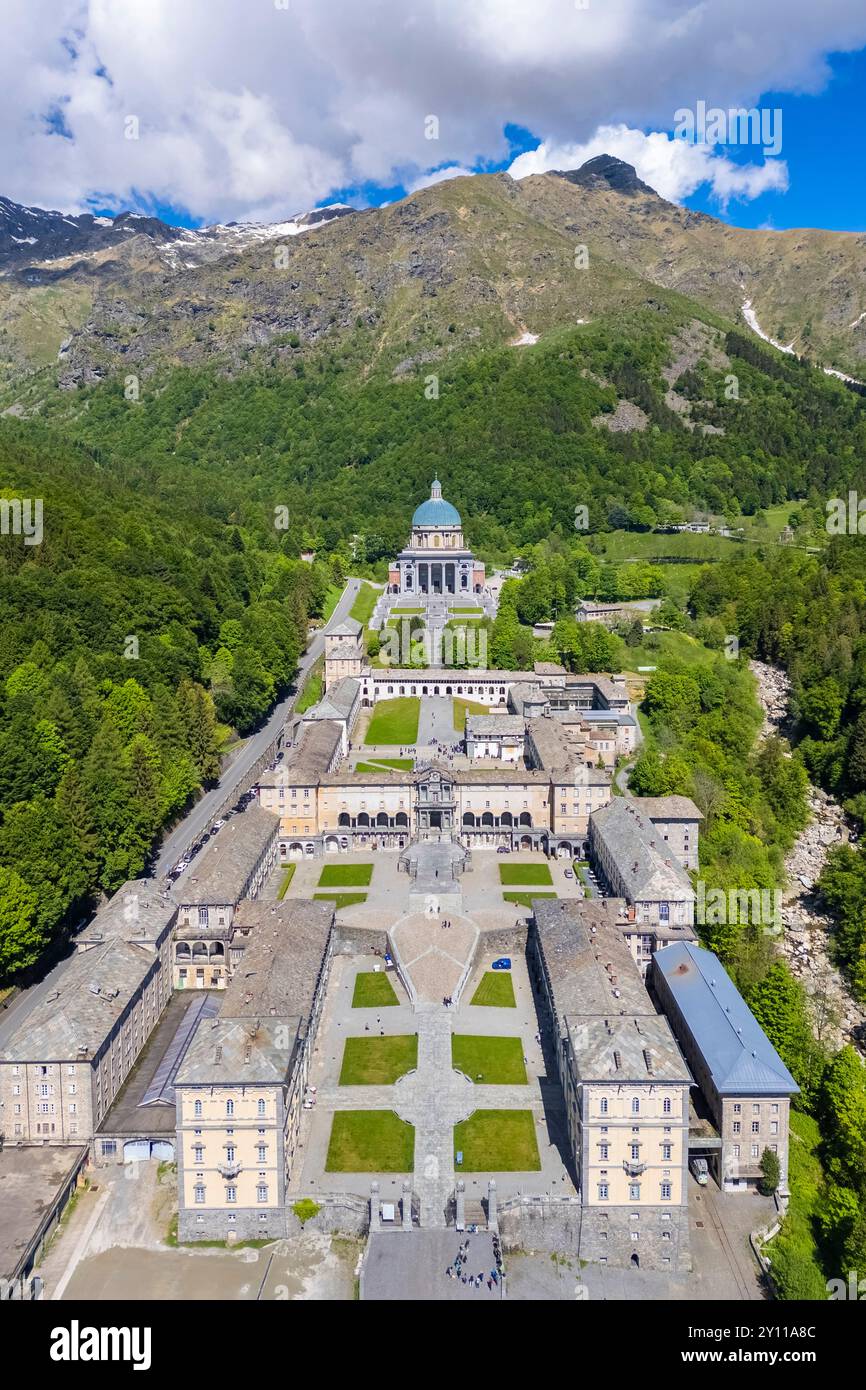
(606, 169)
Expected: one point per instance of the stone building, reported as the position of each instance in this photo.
(344, 653)
(437, 560)
(625, 1083)
(62, 1068)
(743, 1079)
(638, 864)
(239, 1091)
(234, 866)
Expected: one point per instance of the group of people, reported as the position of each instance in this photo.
(459, 1269)
(447, 1000)
(446, 922)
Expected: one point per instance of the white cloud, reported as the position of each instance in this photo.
(672, 167)
(451, 171)
(250, 110)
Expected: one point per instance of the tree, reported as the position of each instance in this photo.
(771, 1172)
(21, 941)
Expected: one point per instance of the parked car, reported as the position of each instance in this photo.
(218, 824)
(503, 849)
(700, 1171)
(503, 963)
(569, 873)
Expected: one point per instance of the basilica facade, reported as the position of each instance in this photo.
(436, 561)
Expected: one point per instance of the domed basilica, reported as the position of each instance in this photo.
(436, 560)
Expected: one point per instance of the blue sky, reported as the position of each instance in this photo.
(259, 112)
(822, 145)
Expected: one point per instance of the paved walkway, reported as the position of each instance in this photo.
(436, 722)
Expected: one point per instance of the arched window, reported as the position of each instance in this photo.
(635, 1106)
(604, 1105)
(230, 1107)
(197, 1107)
(667, 1105)
(261, 1107)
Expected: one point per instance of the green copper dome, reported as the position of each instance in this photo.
(436, 511)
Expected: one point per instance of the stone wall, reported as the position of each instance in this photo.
(215, 1225)
(662, 1238)
(508, 940)
(540, 1223)
(564, 1226)
(339, 1214)
(348, 940)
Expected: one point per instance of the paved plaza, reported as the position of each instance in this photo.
(403, 1266)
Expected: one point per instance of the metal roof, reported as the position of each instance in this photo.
(436, 511)
(740, 1057)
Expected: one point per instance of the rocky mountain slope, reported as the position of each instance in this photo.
(472, 260)
(805, 941)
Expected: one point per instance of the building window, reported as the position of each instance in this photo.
(634, 1191)
(755, 1151)
(774, 1109)
(230, 1153)
(635, 1152)
(603, 1151)
(198, 1154)
(602, 1192)
(736, 1126)
(666, 1105)
(231, 1194)
(230, 1107)
(262, 1192)
(666, 1192)
(756, 1126)
(603, 1106)
(756, 1109)
(774, 1126)
(737, 1109)
(262, 1153)
(261, 1107)
(635, 1106)
(197, 1107)
(199, 1194)
(735, 1150)
(666, 1151)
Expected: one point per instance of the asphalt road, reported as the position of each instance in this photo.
(203, 812)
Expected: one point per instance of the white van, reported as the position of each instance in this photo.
(700, 1171)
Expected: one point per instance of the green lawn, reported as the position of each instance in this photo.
(341, 899)
(370, 1141)
(497, 1141)
(394, 721)
(312, 691)
(495, 990)
(378, 1061)
(364, 604)
(288, 875)
(345, 875)
(524, 873)
(333, 594)
(373, 990)
(662, 644)
(387, 765)
(489, 1061)
(464, 707)
(525, 899)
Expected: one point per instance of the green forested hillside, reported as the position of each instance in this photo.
(167, 596)
(132, 637)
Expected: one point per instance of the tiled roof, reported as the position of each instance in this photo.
(277, 974)
(73, 1022)
(220, 873)
(649, 869)
(239, 1052)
